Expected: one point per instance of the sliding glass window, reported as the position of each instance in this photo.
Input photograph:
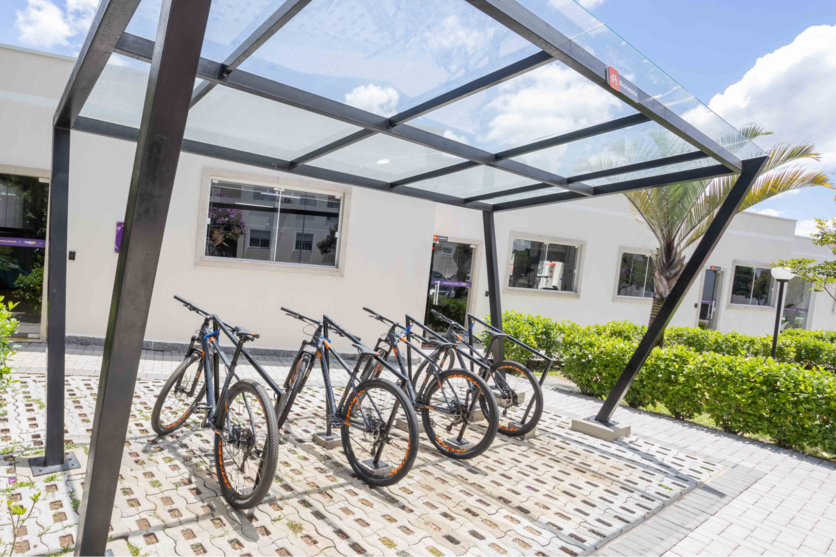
(260, 223)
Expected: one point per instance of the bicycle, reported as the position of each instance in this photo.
(451, 396)
(242, 416)
(380, 453)
(513, 383)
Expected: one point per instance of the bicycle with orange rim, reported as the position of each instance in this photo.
(458, 409)
(378, 426)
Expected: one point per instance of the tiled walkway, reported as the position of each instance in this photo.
(674, 487)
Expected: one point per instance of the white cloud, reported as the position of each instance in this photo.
(452, 35)
(805, 228)
(590, 4)
(790, 92)
(455, 137)
(43, 24)
(560, 5)
(769, 212)
(545, 102)
(379, 100)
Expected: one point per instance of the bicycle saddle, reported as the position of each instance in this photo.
(245, 334)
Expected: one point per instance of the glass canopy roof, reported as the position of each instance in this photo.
(433, 96)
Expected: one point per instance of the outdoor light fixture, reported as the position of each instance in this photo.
(383, 161)
(783, 276)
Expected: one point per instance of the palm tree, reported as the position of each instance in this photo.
(678, 215)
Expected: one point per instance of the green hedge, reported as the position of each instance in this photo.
(727, 376)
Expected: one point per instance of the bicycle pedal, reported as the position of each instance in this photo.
(201, 408)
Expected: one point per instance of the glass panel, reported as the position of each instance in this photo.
(230, 118)
(270, 224)
(389, 55)
(564, 15)
(551, 100)
(449, 283)
(474, 181)
(641, 143)
(635, 278)
(652, 172)
(385, 158)
(752, 286)
(526, 195)
(796, 304)
(543, 266)
(230, 23)
(119, 94)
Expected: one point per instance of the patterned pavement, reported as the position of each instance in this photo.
(561, 493)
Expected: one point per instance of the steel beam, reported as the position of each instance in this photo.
(494, 281)
(179, 39)
(704, 173)
(591, 131)
(107, 27)
(140, 48)
(118, 131)
(452, 169)
(331, 147)
(265, 31)
(517, 18)
(56, 297)
(695, 265)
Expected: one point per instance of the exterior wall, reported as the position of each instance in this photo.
(385, 240)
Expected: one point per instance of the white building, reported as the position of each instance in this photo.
(320, 247)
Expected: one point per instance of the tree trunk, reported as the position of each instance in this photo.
(654, 310)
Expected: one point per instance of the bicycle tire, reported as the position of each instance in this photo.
(295, 382)
(266, 468)
(506, 425)
(157, 424)
(490, 413)
(395, 472)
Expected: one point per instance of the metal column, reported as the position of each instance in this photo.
(751, 170)
(170, 83)
(56, 299)
(494, 283)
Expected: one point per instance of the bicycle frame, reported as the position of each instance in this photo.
(321, 345)
(209, 340)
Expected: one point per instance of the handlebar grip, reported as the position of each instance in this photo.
(179, 299)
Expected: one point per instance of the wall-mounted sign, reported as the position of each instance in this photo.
(22, 242)
(439, 238)
(118, 243)
(715, 268)
(613, 79)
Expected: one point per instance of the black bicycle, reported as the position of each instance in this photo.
(518, 393)
(447, 400)
(378, 426)
(241, 414)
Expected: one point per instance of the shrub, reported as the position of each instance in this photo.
(675, 382)
(8, 328)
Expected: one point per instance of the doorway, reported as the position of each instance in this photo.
(449, 282)
(710, 297)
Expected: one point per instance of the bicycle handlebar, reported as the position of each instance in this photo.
(339, 330)
(379, 317)
(191, 307)
(448, 320)
(301, 317)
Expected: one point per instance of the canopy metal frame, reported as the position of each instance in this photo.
(175, 63)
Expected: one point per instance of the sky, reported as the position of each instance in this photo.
(769, 62)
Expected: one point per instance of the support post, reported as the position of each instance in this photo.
(173, 68)
(494, 282)
(729, 207)
(56, 298)
(779, 311)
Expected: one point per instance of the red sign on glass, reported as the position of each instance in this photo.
(613, 79)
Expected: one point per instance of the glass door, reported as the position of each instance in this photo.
(449, 283)
(710, 296)
(23, 207)
(796, 304)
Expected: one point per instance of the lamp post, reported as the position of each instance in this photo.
(783, 276)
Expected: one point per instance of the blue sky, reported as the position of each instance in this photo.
(766, 61)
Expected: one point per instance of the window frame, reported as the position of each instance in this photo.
(580, 245)
(629, 299)
(305, 185)
(748, 307)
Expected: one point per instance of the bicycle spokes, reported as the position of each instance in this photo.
(244, 443)
(375, 420)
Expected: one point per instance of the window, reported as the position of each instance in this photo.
(752, 286)
(259, 238)
(272, 224)
(635, 276)
(543, 266)
(304, 241)
(796, 304)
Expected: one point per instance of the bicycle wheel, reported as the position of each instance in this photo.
(380, 433)
(450, 414)
(178, 397)
(294, 384)
(247, 450)
(521, 402)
